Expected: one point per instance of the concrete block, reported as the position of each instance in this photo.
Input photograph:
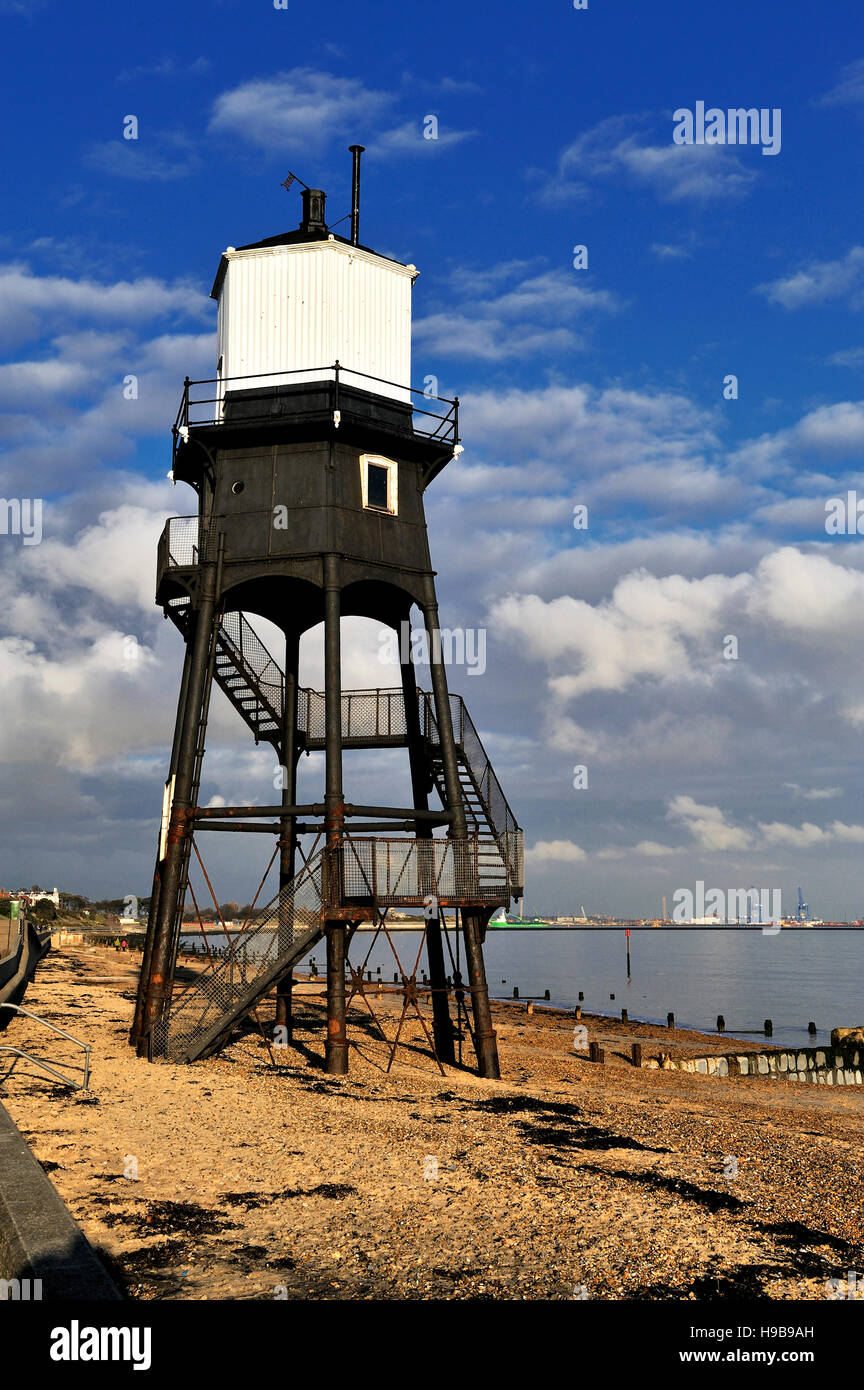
(38, 1237)
(722, 1067)
(762, 1063)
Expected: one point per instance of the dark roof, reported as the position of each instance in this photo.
(295, 238)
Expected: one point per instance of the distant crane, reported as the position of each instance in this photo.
(803, 908)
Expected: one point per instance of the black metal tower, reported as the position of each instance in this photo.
(310, 482)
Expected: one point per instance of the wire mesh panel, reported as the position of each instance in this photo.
(502, 821)
(181, 540)
(184, 542)
(255, 657)
(406, 872)
(366, 715)
(233, 980)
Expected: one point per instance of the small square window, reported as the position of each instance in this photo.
(379, 484)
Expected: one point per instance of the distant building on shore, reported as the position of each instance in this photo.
(34, 895)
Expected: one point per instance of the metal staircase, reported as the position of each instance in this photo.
(253, 681)
(372, 872)
(245, 670)
(259, 956)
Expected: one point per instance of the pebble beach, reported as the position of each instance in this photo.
(253, 1175)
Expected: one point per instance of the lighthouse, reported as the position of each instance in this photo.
(308, 455)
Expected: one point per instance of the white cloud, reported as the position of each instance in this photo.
(799, 837)
(665, 252)
(853, 834)
(808, 593)
(534, 315)
(122, 544)
(302, 109)
(708, 826)
(674, 173)
(164, 157)
(167, 67)
(829, 431)
(408, 138)
(645, 629)
(646, 849)
(820, 281)
(555, 852)
(807, 835)
(849, 90)
(32, 305)
(814, 793)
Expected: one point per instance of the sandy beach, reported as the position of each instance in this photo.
(252, 1175)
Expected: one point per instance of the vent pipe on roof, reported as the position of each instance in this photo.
(356, 151)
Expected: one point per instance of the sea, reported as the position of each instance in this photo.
(792, 977)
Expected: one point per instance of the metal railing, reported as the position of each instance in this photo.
(405, 872)
(362, 872)
(239, 639)
(232, 982)
(366, 714)
(48, 1067)
(208, 402)
(501, 818)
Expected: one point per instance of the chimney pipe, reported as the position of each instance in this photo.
(356, 151)
(313, 224)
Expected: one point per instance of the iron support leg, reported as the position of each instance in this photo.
(484, 1033)
(284, 1006)
(153, 913)
(336, 1049)
(442, 1027)
(157, 986)
(336, 1052)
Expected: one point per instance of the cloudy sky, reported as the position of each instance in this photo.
(697, 646)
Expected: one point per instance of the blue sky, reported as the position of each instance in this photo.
(601, 386)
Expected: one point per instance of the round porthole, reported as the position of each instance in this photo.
(237, 487)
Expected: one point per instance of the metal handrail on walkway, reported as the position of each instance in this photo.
(439, 425)
(40, 1061)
